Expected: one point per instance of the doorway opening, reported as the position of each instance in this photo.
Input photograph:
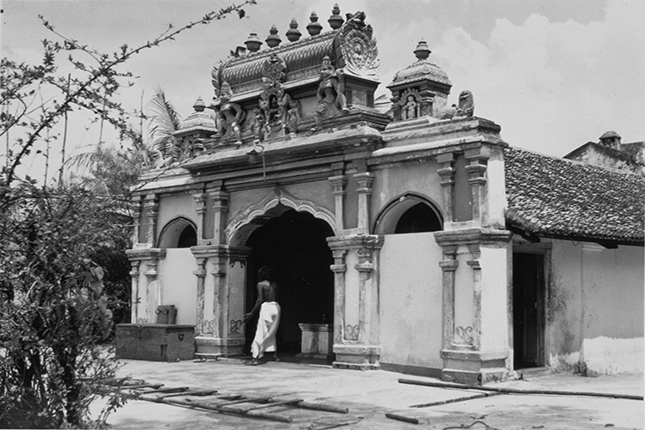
(295, 243)
(528, 310)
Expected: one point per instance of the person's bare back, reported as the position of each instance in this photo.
(266, 290)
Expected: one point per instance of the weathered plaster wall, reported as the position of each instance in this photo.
(419, 177)
(173, 206)
(496, 187)
(239, 201)
(492, 294)
(178, 284)
(410, 305)
(595, 308)
(320, 192)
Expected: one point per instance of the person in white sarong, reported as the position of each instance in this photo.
(269, 320)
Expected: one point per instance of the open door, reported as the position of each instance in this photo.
(528, 310)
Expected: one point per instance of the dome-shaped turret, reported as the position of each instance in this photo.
(421, 89)
(198, 120)
(421, 70)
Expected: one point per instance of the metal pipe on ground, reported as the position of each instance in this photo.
(518, 391)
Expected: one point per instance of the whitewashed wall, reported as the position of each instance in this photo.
(410, 302)
(595, 308)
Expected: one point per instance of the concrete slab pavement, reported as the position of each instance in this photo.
(370, 395)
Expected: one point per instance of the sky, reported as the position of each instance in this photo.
(554, 74)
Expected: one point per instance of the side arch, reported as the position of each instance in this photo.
(246, 222)
(180, 232)
(408, 213)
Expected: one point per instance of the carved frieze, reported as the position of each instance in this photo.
(358, 47)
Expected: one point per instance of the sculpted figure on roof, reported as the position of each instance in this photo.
(229, 117)
(466, 106)
(331, 92)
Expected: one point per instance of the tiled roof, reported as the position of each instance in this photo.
(553, 197)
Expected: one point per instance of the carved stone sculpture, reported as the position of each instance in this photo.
(293, 117)
(358, 47)
(230, 116)
(466, 106)
(258, 125)
(331, 91)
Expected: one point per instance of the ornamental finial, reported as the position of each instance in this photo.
(273, 39)
(293, 33)
(314, 28)
(335, 20)
(422, 52)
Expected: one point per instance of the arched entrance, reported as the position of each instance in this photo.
(295, 244)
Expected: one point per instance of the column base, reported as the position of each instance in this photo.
(474, 367)
(357, 357)
(217, 345)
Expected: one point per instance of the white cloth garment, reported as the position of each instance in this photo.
(267, 328)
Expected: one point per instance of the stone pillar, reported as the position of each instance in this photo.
(364, 190)
(134, 294)
(220, 329)
(448, 266)
(447, 174)
(475, 312)
(151, 206)
(148, 297)
(200, 208)
(339, 183)
(136, 207)
(477, 159)
(339, 268)
(220, 208)
(356, 323)
(200, 273)
(235, 304)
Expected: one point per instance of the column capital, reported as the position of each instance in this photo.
(339, 182)
(200, 202)
(218, 194)
(364, 180)
(449, 265)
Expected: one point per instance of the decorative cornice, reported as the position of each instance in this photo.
(480, 236)
(355, 241)
(145, 253)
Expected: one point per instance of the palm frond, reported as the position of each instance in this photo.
(164, 121)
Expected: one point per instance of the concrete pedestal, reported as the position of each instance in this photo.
(317, 341)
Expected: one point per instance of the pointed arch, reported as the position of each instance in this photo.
(408, 213)
(273, 205)
(179, 232)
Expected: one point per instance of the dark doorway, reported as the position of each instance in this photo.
(528, 310)
(295, 243)
(420, 218)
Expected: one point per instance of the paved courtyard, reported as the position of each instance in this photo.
(370, 395)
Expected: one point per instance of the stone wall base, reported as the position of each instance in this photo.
(217, 345)
(474, 367)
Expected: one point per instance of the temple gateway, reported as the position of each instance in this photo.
(407, 234)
